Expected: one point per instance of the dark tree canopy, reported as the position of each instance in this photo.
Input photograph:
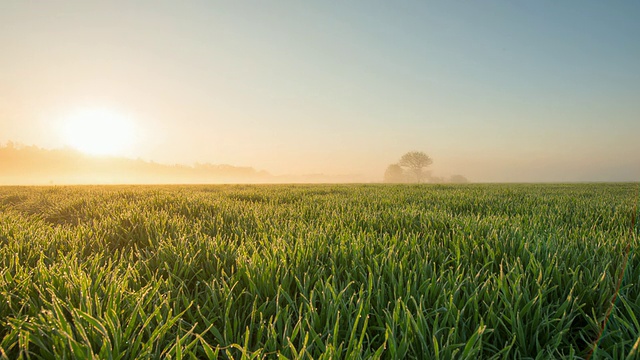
(415, 162)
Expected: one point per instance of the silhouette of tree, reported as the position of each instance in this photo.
(415, 162)
(394, 174)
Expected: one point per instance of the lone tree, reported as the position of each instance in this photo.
(415, 161)
(394, 174)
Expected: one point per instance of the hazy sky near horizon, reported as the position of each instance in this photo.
(493, 90)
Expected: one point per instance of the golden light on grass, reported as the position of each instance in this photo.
(98, 131)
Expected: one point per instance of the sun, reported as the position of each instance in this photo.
(98, 132)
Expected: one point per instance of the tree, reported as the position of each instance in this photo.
(415, 161)
(394, 174)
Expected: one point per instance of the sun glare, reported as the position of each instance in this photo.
(99, 132)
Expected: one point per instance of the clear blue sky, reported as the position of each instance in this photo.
(494, 90)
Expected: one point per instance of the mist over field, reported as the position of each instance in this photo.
(499, 92)
(30, 165)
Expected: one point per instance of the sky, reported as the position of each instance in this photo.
(498, 91)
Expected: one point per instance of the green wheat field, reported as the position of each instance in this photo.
(479, 271)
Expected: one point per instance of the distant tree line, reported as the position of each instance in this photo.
(411, 168)
(21, 164)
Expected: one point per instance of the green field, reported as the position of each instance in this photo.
(319, 271)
